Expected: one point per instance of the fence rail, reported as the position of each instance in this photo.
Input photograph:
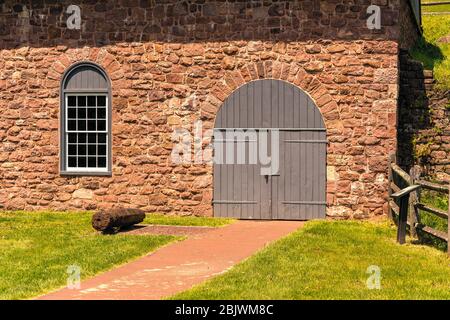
(404, 203)
(432, 4)
(425, 4)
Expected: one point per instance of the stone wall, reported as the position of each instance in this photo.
(43, 22)
(424, 113)
(168, 69)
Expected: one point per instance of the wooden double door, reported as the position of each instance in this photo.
(270, 119)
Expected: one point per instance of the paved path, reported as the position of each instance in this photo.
(181, 265)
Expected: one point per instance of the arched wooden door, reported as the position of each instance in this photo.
(297, 191)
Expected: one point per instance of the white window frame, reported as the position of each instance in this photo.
(66, 133)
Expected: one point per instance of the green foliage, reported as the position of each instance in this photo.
(421, 150)
(437, 130)
(37, 248)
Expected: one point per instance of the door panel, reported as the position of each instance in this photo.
(240, 191)
(299, 191)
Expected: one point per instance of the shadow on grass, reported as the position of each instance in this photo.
(427, 53)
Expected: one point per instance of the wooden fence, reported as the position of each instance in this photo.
(405, 204)
(431, 4)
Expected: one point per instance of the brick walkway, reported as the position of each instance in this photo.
(181, 265)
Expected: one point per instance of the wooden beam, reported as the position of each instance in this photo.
(402, 217)
(394, 207)
(438, 234)
(402, 193)
(391, 182)
(401, 173)
(394, 187)
(433, 186)
(439, 213)
(435, 3)
(413, 199)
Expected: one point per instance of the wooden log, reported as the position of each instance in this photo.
(116, 218)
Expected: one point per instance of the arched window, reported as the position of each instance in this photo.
(85, 121)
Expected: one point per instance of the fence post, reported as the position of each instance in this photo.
(413, 199)
(390, 180)
(402, 219)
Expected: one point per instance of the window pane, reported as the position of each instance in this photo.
(72, 162)
(81, 125)
(72, 150)
(91, 125)
(92, 137)
(91, 113)
(82, 113)
(92, 150)
(101, 125)
(81, 101)
(72, 101)
(91, 101)
(72, 125)
(102, 150)
(102, 162)
(101, 113)
(81, 149)
(102, 138)
(82, 138)
(72, 113)
(72, 138)
(81, 162)
(92, 162)
(101, 101)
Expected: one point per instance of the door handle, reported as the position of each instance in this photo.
(266, 177)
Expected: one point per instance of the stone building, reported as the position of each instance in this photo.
(134, 71)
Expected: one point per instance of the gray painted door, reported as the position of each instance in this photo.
(297, 191)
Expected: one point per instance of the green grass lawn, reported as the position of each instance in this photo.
(37, 248)
(329, 260)
(433, 53)
(186, 220)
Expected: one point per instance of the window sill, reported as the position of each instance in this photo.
(86, 173)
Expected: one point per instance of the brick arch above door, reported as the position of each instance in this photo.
(290, 72)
